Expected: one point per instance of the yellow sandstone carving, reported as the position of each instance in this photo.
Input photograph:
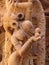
(24, 25)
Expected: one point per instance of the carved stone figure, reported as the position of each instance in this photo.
(24, 25)
(22, 48)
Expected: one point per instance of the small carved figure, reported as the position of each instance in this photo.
(22, 42)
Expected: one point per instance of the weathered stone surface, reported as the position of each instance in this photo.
(14, 16)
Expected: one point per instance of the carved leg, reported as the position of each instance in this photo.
(7, 50)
